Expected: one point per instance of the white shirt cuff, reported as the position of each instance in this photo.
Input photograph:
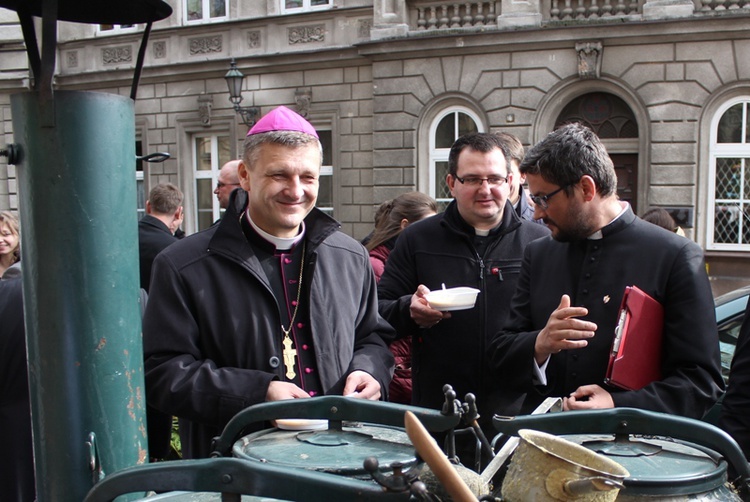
(540, 372)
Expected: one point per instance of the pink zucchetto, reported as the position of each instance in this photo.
(282, 119)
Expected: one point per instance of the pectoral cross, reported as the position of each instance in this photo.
(289, 354)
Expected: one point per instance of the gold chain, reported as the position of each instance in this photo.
(299, 293)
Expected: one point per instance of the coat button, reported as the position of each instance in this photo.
(274, 362)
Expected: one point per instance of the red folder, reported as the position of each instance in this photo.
(635, 359)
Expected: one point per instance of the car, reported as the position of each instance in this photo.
(730, 312)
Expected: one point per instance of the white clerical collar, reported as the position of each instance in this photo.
(481, 233)
(281, 243)
(598, 234)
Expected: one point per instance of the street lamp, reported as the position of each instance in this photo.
(234, 78)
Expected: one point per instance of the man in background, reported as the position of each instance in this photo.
(518, 197)
(228, 180)
(164, 213)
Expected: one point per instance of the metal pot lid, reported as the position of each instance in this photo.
(332, 450)
(659, 466)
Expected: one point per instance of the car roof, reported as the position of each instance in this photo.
(731, 304)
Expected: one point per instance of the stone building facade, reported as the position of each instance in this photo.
(391, 83)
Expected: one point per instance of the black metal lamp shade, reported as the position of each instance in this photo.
(97, 11)
(234, 78)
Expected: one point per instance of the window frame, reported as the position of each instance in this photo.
(727, 151)
(306, 7)
(436, 155)
(327, 170)
(117, 29)
(205, 8)
(212, 174)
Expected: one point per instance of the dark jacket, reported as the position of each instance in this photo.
(212, 327)
(735, 409)
(17, 463)
(594, 273)
(441, 249)
(153, 237)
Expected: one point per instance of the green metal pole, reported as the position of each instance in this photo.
(81, 287)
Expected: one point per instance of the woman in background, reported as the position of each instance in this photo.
(394, 216)
(10, 247)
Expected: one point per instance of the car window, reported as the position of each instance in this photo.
(728, 333)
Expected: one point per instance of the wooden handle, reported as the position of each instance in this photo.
(436, 460)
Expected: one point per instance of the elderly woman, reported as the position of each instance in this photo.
(10, 248)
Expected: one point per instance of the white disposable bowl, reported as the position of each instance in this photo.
(452, 298)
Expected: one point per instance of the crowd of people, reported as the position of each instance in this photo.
(275, 302)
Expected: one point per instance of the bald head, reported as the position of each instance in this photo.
(228, 181)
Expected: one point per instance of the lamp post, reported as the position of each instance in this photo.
(234, 78)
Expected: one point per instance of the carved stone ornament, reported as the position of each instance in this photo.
(303, 97)
(253, 39)
(160, 49)
(115, 55)
(363, 28)
(307, 34)
(205, 45)
(205, 103)
(72, 58)
(589, 59)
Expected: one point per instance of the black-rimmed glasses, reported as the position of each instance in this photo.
(475, 181)
(543, 201)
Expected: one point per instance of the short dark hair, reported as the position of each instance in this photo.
(481, 142)
(567, 154)
(290, 139)
(165, 198)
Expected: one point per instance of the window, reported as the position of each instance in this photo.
(116, 28)
(209, 154)
(205, 10)
(291, 6)
(325, 192)
(139, 184)
(729, 178)
(446, 129)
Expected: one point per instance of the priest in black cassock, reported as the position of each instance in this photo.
(558, 337)
(274, 302)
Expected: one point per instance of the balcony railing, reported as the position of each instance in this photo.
(451, 15)
(580, 10)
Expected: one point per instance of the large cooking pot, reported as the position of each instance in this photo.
(668, 457)
(275, 463)
(354, 429)
(547, 468)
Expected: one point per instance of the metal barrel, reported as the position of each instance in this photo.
(77, 200)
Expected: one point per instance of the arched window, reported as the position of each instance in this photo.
(448, 126)
(613, 121)
(729, 177)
